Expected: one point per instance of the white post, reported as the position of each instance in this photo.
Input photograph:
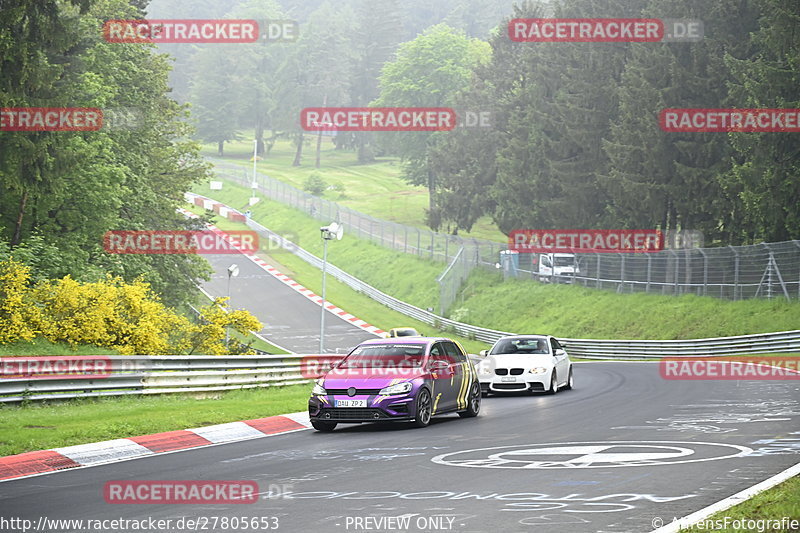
(322, 313)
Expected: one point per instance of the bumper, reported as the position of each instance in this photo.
(378, 409)
(522, 383)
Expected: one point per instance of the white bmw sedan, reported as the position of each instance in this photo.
(525, 363)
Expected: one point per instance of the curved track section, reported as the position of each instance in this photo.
(290, 319)
(621, 450)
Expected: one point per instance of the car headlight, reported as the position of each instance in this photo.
(538, 370)
(318, 389)
(399, 388)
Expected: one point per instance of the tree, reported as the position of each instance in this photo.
(215, 102)
(765, 177)
(429, 71)
(672, 179)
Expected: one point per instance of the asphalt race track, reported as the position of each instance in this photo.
(290, 320)
(622, 449)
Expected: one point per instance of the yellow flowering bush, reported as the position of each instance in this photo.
(19, 316)
(127, 317)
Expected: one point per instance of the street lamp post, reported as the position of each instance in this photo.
(233, 271)
(330, 232)
(254, 184)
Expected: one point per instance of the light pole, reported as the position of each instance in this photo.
(330, 232)
(233, 271)
(254, 184)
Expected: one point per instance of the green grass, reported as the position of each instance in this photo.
(579, 312)
(405, 268)
(41, 346)
(775, 503)
(38, 426)
(376, 189)
(514, 305)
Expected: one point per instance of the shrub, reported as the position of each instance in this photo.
(315, 184)
(127, 317)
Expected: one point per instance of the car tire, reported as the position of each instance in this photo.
(553, 383)
(473, 403)
(320, 425)
(423, 409)
(570, 381)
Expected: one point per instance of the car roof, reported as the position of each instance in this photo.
(525, 337)
(405, 340)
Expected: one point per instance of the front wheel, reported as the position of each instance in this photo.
(553, 383)
(423, 415)
(570, 381)
(473, 403)
(319, 425)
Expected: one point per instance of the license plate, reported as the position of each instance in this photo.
(508, 378)
(351, 403)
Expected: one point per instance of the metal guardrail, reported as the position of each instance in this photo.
(142, 375)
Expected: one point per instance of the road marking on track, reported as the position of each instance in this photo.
(606, 454)
(727, 503)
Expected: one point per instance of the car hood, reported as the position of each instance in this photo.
(369, 378)
(517, 360)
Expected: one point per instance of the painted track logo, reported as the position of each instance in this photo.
(601, 454)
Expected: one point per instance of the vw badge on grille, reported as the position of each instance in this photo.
(351, 391)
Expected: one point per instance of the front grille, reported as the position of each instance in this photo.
(343, 392)
(350, 413)
(510, 386)
(501, 371)
(516, 371)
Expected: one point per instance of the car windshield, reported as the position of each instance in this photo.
(564, 261)
(385, 356)
(521, 346)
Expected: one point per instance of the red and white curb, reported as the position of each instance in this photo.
(112, 451)
(308, 293)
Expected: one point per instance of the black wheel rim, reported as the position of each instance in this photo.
(476, 398)
(424, 409)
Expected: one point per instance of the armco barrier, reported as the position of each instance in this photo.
(159, 374)
(187, 373)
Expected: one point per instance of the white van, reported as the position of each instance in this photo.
(557, 267)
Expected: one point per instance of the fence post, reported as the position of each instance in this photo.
(598, 270)
(705, 272)
(797, 243)
(432, 237)
(649, 270)
(735, 272)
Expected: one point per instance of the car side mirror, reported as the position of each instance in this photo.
(484, 353)
(561, 351)
(438, 364)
